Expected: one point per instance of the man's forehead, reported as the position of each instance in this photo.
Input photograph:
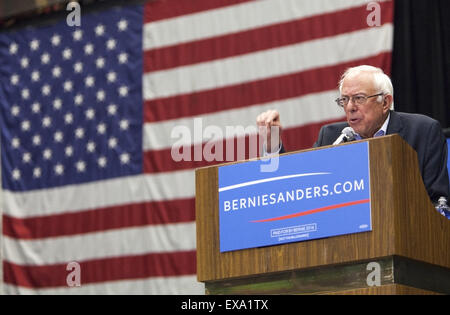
(358, 83)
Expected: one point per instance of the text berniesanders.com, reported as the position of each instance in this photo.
(293, 195)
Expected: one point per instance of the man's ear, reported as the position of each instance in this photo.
(387, 102)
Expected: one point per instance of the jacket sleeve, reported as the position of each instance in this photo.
(319, 141)
(435, 172)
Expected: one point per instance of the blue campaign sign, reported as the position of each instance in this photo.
(315, 194)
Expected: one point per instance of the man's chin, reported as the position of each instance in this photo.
(354, 127)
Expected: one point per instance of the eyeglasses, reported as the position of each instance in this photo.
(358, 99)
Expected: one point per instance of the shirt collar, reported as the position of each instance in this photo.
(379, 133)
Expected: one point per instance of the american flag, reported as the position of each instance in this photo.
(87, 115)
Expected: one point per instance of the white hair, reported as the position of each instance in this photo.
(381, 81)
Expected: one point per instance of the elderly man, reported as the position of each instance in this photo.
(367, 99)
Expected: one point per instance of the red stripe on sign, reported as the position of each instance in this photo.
(102, 270)
(166, 9)
(256, 92)
(132, 215)
(157, 161)
(304, 213)
(279, 35)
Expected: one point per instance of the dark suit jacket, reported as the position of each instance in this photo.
(422, 133)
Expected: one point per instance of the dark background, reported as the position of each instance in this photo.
(421, 58)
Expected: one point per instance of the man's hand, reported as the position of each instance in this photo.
(269, 125)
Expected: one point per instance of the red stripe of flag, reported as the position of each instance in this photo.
(256, 92)
(102, 270)
(264, 38)
(157, 161)
(131, 215)
(165, 9)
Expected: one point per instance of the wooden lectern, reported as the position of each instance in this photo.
(408, 251)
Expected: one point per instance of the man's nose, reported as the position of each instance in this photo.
(351, 106)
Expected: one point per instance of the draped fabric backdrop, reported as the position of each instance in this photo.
(88, 114)
(421, 58)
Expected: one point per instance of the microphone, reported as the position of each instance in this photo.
(347, 134)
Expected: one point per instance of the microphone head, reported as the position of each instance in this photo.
(349, 133)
